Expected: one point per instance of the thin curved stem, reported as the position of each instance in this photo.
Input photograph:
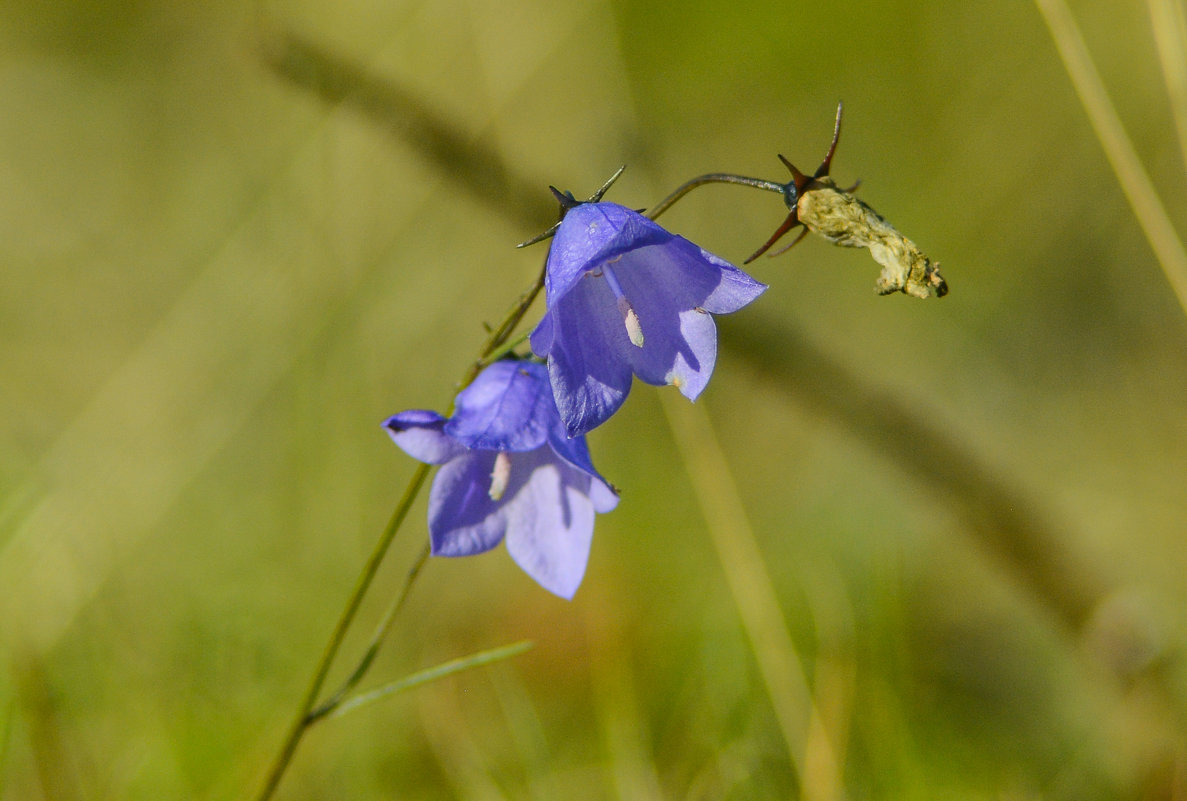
(309, 712)
(503, 330)
(713, 178)
(505, 348)
(303, 719)
(372, 650)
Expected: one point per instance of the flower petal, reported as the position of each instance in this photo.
(420, 434)
(463, 519)
(680, 337)
(735, 288)
(542, 336)
(687, 360)
(508, 407)
(575, 452)
(603, 496)
(658, 296)
(588, 364)
(550, 524)
(590, 235)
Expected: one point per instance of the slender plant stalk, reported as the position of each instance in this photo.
(303, 718)
(432, 674)
(504, 349)
(372, 649)
(754, 595)
(713, 178)
(309, 711)
(1170, 35)
(1132, 176)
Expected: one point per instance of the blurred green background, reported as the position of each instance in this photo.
(221, 268)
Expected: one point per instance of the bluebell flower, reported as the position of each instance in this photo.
(627, 297)
(508, 471)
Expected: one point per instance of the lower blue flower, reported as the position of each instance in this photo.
(509, 471)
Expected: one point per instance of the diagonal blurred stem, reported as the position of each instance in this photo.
(1007, 523)
(1170, 36)
(472, 165)
(1135, 182)
(754, 594)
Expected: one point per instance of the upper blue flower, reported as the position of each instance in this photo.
(626, 297)
(509, 471)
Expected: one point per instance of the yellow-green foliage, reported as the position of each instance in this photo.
(234, 237)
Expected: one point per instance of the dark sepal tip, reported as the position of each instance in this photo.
(791, 222)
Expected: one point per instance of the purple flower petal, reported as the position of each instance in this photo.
(550, 524)
(575, 452)
(463, 518)
(680, 338)
(542, 336)
(420, 434)
(684, 358)
(541, 499)
(588, 365)
(590, 235)
(735, 288)
(625, 296)
(508, 407)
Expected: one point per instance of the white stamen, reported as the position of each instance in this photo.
(634, 331)
(500, 475)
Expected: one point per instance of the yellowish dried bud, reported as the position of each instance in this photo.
(845, 220)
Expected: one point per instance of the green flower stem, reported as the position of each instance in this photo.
(309, 712)
(713, 178)
(304, 718)
(373, 647)
(498, 337)
(506, 348)
(432, 674)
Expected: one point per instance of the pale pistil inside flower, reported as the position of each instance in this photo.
(634, 330)
(500, 475)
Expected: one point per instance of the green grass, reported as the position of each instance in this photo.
(217, 278)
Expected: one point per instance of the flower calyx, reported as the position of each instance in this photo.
(568, 203)
(794, 189)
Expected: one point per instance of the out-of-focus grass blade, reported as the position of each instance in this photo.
(1170, 34)
(432, 674)
(466, 160)
(754, 595)
(1135, 181)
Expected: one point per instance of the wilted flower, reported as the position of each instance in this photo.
(627, 297)
(509, 471)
